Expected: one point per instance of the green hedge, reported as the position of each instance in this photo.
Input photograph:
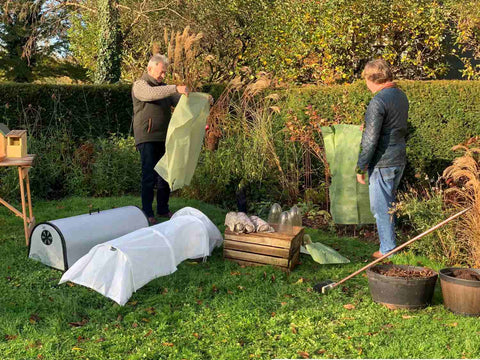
(61, 119)
(442, 114)
(86, 110)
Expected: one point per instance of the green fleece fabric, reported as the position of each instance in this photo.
(349, 200)
(184, 140)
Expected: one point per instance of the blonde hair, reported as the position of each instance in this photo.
(377, 71)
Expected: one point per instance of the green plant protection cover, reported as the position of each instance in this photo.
(349, 200)
(324, 254)
(184, 140)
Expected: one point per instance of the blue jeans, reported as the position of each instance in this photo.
(383, 184)
(150, 154)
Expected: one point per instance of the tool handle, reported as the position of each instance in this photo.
(402, 246)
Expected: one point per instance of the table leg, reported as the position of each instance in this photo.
(24, 210)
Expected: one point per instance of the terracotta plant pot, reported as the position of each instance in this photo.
(397, 292)
(461, 290)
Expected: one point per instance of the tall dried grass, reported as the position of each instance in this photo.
(245, 108)
(463, 179)
(185, 54)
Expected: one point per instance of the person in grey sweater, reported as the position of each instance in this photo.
(383, 149)
(152, 110)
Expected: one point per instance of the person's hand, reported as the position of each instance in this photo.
(211, 100)
(182, 89)
(361, 178)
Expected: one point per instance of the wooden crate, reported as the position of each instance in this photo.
(278, 249)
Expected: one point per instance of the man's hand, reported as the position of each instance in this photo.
(361, 178)
(182, 89)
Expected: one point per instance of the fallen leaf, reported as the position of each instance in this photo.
(167, 344)
(70, 284)
(235, 273)
(229, 292)
(321, 351)
(294, 329)
(196, 335)
(406, 316)
(283, 303)
(241, 287)
(78, 323)
(119, 317)
(309, 290)
(100, 340)
(10, 337)
(300, 281)
(273, 314)
(135, 325)
(214, 288)
(199, 302)
(273, 278)
(148, 333)
(145, 320)
(151, 310)
(34, 318)
(77, 348)
(349, 306)
(304, 354)
(133, 303)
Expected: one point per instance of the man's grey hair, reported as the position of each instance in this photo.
(156, 59)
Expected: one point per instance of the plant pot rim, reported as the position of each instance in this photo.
(370, 272)
(452, 279)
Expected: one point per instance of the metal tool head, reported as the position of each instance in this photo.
(324, 286)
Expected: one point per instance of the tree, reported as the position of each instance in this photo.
(29, 33)
(109, 43)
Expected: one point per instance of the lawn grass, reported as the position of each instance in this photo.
(216, 309)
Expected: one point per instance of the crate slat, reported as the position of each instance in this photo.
(256, 248)
(262, 259)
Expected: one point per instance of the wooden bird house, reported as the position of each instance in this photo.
(3, 141)
(17, 144)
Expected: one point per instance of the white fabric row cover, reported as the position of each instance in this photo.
(120, 267)
(60, 243)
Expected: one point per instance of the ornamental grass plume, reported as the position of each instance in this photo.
(463, 179)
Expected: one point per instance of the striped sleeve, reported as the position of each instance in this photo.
(144, 92)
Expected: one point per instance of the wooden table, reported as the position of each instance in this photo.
(23, 164)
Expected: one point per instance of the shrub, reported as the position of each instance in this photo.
(418, 211)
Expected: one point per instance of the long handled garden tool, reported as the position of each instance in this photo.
(327, 285)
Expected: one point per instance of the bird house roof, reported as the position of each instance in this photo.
(16, 133)
(4, 130)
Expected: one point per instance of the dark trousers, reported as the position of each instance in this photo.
(150, 154)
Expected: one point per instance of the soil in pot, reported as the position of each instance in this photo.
(401, 286)
(461, 290)
(464, 274)
(396, 271)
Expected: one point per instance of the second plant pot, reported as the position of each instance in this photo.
(402, 286)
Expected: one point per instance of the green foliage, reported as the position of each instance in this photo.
(30, 32)
(466, 16)
(330, 41)
(418, 211)
(109, 56)
(116, 167)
